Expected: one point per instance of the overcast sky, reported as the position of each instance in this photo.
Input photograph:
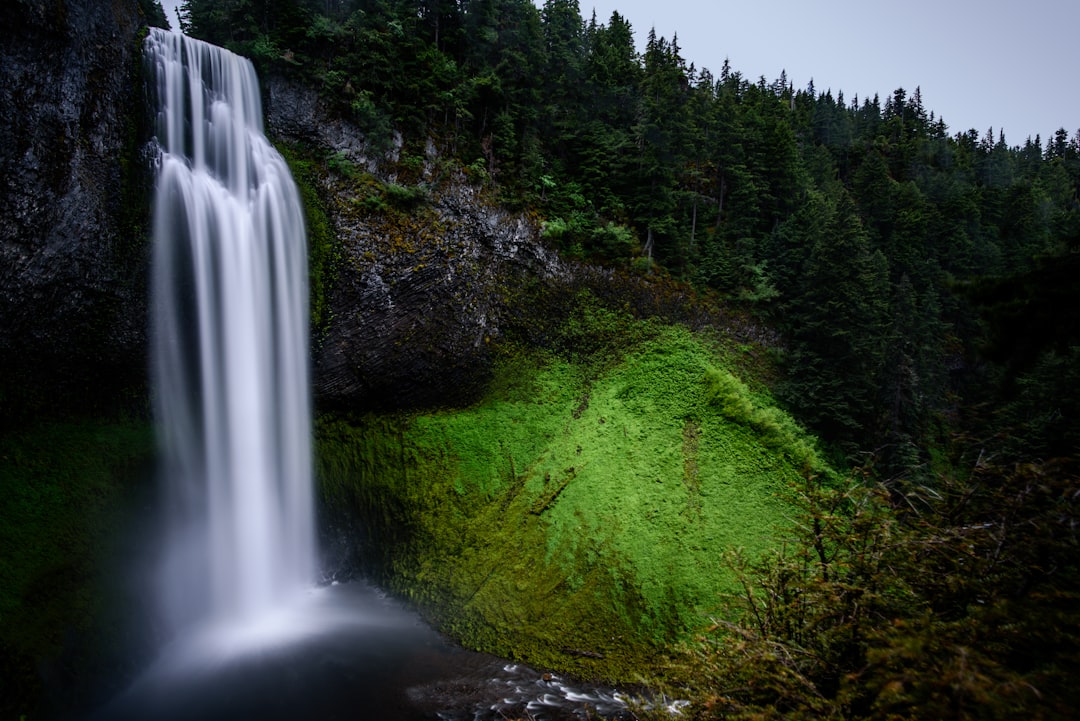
(169, 6)
(1004, 63)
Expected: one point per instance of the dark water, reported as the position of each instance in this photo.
(348, 652)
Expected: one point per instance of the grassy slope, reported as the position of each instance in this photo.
(578, 516)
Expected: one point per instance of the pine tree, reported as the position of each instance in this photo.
(839, 324)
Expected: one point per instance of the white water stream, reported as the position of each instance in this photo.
(229, 346)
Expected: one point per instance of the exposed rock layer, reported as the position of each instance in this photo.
(416, 295)
(72, 243)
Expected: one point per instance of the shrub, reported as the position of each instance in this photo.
(965, 610)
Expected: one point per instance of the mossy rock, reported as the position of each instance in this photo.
(578, 516)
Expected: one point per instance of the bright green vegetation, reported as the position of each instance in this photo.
(62, 488)
(579, 515)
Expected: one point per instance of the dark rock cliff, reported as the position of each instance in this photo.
(73, 203)
(416, 297)
(414, 308)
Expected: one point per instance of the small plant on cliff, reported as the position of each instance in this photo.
(404, 197)
(340, 163)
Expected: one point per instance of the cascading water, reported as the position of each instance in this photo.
(230, 343)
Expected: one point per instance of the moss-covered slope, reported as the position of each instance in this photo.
(577, 516)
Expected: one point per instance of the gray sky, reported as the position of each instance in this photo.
(1009, 65)
(170, 11)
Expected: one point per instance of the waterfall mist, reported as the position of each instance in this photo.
(229, 344)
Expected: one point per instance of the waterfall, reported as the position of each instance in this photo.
(229, 343)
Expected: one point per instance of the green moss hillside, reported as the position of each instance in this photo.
(579, 515)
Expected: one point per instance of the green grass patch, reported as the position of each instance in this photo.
(578, 516)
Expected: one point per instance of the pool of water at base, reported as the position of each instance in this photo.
(348, 652)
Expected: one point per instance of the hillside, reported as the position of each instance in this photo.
(581, 514)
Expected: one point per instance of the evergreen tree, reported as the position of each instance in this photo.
(659, 131)
(603, 147)
(839, 329)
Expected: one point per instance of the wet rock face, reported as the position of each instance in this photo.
(416, 307)
(72, 262)
(417, 296)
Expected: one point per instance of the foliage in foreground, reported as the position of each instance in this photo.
(964, 606)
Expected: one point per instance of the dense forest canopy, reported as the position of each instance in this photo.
(849, 223)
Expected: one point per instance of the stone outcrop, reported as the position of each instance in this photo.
(416, 296)
(72, 241)
(415, 306)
